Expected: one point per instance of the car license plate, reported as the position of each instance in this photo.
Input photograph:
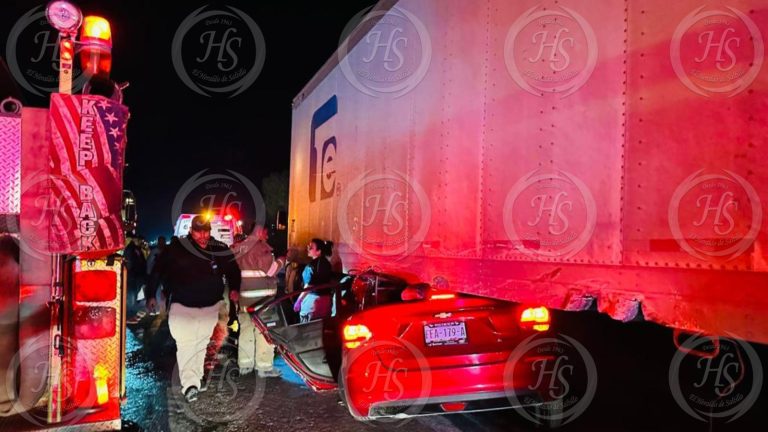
(447, 333)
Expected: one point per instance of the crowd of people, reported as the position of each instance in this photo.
(201, 284)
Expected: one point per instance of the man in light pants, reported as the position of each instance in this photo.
(193, 271)
(258, 269)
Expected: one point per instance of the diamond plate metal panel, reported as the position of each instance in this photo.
(10, 163)
(87, 358)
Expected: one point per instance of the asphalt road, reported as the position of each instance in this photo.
(632, 392)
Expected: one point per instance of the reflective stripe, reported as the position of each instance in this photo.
(252, 274)
(258, 293)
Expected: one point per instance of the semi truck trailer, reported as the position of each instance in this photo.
(575, 154)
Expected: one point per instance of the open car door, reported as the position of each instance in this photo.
(312, 349)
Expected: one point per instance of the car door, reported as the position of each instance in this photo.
(312, 349)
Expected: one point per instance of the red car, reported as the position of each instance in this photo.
(394, 350)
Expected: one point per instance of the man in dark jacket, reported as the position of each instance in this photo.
(193, 272)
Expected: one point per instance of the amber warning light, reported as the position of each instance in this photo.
(96, 46)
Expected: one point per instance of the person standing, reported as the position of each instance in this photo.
(136, 264)
(152, 259)
(193, 271)
(312, 305)
(154, 252)
(258, 269)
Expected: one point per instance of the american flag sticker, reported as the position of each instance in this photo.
(87, 159)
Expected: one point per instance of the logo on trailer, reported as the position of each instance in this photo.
(715, 215)
(717, 52)
(551, 51)
(549, 215)
(218, 52)
(722, 382)
(563, 378)
(322, 153)
(384, 215)
(392, 58)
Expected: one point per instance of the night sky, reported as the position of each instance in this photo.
(175, 132)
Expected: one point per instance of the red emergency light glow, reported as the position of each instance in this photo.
(453, 406)
(94, 322)
(67, 50)
(92, 391)
(355, 335)
(95, 286)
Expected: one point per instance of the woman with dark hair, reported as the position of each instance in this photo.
(312, 305)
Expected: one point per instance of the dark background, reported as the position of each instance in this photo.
(174, 132)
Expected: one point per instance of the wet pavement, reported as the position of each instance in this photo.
(243, 403)
(626, 400)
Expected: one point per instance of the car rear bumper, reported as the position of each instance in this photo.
(376, 392)
(465, 403)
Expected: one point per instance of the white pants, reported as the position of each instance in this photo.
(192, 329)
(253, 351)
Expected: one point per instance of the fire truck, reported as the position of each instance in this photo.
(558, 153)
(63, 327)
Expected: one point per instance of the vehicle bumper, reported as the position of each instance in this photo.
(463, 403)
(372, 391)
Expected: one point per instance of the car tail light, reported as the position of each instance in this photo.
(355, 334)
(536, 318)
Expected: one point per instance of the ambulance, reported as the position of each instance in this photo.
(224, 228)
